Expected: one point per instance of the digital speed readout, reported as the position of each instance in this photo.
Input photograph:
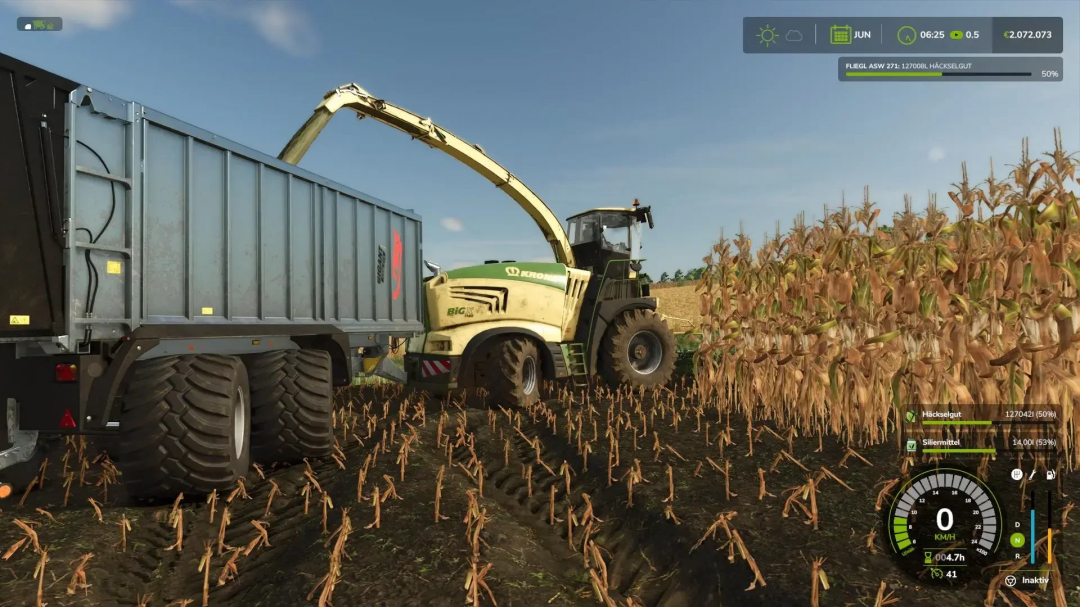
(944, 525)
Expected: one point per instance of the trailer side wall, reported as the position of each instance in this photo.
(205, 231)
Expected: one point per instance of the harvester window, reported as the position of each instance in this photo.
(616, 233)
(584, 229)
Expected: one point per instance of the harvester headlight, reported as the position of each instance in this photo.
(440, 345)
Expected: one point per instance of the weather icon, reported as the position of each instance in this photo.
(767, 36)
(793, 36)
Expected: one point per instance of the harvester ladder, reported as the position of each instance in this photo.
(576, 365)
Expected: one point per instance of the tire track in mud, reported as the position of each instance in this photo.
(150, 568)
(648, 558)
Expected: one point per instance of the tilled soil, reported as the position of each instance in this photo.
(530, 536)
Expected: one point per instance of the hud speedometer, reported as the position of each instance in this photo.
(944, 526)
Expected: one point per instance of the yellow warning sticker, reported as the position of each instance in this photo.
(207, 311)
(113, 267)
(17, 320)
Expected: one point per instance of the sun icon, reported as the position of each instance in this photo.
(767, 35)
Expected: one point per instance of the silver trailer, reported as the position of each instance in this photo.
(194, 297)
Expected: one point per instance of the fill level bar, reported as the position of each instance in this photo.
(991, 68)
(957, 422)
(936, 74)
(988, 450)
(1032, 536)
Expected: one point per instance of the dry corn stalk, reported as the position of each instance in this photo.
(30, 538)
(761, 485)
(262, 537)
(870, 544)
(274, 490)
(39, 575)
(240, 490)
(212, 501)
(327, 505)
(226, 520)
(125, 526)
(26, 493)
(882, 599)
(333, 576)
(671, 486)
(378, 513)
(818, 581)
(97, 509)
(885, 491)
(229, 571)
(204, 568)
(78, 577)
(438, 494)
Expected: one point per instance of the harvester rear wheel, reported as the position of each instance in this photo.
(510, 371)
(184, 426)
(638, 350)
(292, 405)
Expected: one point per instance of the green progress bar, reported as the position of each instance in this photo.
(991, 451)
(958, 422)
(892, 74)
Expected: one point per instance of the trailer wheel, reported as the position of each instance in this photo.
(184, 426)
(292, 405)
(510, 371)
(638, 350)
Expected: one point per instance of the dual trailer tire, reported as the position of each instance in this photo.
(190, 424)
(292, 405)
(184, 426)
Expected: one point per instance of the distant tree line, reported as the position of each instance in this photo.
(682, 278)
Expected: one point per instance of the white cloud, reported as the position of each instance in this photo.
(936, 154)
(451, 224)
(94, 14)
(283, 24)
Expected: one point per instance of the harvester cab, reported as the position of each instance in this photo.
(599, 236)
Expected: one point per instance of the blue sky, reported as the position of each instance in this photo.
(589, 103)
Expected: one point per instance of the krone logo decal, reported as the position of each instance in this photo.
(519, 273)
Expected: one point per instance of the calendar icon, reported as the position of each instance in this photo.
(840, 34)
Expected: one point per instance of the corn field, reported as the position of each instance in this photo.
(840, 327)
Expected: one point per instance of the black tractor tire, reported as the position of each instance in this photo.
(638, 349)
(185, 426)
(292, 405)
(510, 370)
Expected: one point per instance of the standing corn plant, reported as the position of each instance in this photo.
(837, 328)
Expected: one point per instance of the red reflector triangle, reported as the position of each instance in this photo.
(67, 421)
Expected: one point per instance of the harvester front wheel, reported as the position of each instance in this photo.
(638, 350)
(184, 426)
(510, 371)
(292, 405)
